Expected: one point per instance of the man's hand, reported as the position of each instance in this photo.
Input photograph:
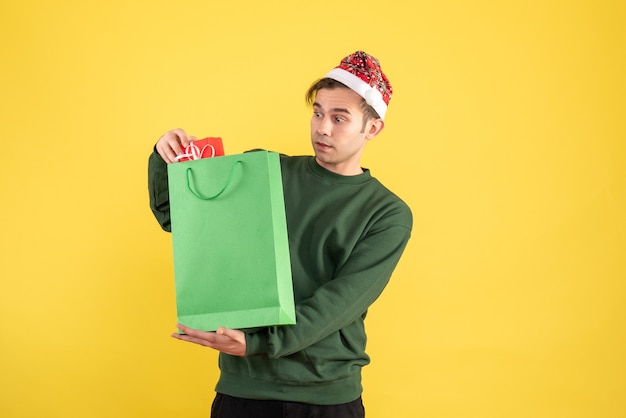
(228, 341)
(172, 144)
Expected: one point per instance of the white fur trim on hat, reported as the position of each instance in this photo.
(372, 96)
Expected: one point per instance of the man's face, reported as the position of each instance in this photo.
(337, 131)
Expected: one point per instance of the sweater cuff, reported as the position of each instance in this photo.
(256, 343)
(158, 190)
(157, 161)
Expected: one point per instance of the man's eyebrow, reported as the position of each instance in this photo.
(336, 109)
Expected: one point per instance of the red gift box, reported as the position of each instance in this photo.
(202, 148)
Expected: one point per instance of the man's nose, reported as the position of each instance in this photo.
(324, 127)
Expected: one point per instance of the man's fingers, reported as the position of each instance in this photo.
(187, 330)
(226, 340)
(166, 152)
(196, 334)
(172, 144)
(182, 137)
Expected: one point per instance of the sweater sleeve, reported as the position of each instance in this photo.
(158, 190)
(344, 299)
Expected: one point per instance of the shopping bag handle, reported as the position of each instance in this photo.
(198, 195)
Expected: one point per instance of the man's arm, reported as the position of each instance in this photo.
(165, 151)
(343, 300)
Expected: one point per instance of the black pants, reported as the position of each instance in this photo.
(225, 406)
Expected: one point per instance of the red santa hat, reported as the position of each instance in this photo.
(362, 73)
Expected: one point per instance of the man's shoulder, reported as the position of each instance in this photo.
(392, 203)
(293, 161)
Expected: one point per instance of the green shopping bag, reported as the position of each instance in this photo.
(229, 236)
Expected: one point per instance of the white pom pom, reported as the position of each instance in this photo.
(373, 97)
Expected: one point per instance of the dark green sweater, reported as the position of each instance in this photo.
(346, 235)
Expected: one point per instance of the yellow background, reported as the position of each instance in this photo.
(506, 135)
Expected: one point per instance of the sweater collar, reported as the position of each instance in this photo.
(331, 177)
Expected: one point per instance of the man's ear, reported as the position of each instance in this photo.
(375, 126)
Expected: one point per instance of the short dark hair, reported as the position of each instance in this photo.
(329, 83)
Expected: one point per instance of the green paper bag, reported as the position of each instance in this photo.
(229, 236)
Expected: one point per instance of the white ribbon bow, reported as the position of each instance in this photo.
(193, 152)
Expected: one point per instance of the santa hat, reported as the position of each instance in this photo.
(362, 73)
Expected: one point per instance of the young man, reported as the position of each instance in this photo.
(346, 235)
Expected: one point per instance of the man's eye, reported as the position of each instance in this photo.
(339, 119)
(317, 114)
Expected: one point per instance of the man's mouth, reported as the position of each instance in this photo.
(322, 145)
